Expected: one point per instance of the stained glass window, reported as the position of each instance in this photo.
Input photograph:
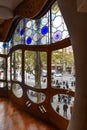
(46, 30)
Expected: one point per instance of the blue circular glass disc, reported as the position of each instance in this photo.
(22, 32)
(44, 30)
(4, 45)
(29, 40)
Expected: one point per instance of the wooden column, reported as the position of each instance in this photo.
(77, 26)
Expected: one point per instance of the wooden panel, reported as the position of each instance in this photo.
(13, 119)
(30, 8)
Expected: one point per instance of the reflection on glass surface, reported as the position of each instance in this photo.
(63, 105)
(36, 69)
(36, 97)
(2, 84)
(8, 68)
(9, 86)
(17, 90)
(17, 65)
(2, 68)
(63, 70)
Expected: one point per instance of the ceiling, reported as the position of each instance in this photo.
(12, 11)
(82, 6)
(7, 8)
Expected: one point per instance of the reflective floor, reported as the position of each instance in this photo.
(13, 119)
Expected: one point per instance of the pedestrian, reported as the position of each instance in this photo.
(57, 108)
(57, 82)
(59, 98)
(69, 99)
(72, 83)
(65, 107)
(67, 85)
(65, 99)
(63, 82)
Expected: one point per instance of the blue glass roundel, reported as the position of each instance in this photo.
(57, 36)
(29, 40)
(44, 30)
(22, 32)
(4, 45)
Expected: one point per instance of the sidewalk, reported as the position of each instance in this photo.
(55, 103)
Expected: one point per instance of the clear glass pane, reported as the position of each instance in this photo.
(17, 65)
(2, 68)
(63, 70)
(17, 90)
(9, 85)
(36, 69)
(63, 105)
(36, 97)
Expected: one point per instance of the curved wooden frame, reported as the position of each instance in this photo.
(47, 113)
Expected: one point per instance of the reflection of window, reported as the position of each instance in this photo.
(9, 85)
(2, 84)
(8, 68)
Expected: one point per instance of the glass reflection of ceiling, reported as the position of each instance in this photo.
(46, 30)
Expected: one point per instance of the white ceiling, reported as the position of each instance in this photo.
(7, 7)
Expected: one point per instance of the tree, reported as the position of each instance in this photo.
(38, 67)
(63, 58)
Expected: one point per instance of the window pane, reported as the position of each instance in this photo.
(17, 90)
(17, 65)
(63, 72)
(36, 69)
(35, 97)
(63, 105)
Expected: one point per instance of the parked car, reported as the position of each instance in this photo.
(58, 75)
